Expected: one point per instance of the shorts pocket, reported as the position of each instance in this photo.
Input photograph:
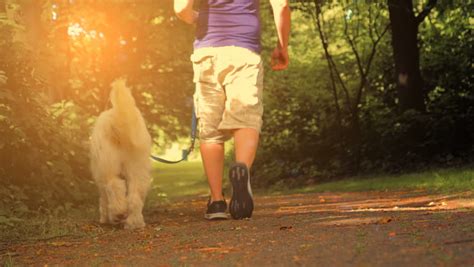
(203, 68)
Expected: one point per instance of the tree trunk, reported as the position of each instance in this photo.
(404, 25)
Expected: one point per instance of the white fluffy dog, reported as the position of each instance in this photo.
(120, 162)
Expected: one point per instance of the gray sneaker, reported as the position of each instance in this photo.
(241, 203)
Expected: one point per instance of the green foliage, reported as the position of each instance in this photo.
(57, 60)
(305, 137)
(44, 160)
(444, 134)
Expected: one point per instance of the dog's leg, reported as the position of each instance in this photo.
(103, 209)
(116, 192)
(138, 185)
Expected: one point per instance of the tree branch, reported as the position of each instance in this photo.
(332, 71)
(426, 11)
(353, 46)
(369, 64)
(332, 64)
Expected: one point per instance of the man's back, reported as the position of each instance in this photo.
(228, 23)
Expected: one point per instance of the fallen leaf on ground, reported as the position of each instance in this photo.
(384, 220)
(60, 244)
(286, 227)
(392, 234)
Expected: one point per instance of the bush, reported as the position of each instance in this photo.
(42, 149)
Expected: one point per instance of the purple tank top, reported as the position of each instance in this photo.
(228, 23)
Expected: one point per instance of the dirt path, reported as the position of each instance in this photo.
(326, 229)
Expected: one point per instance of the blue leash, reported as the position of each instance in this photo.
(191, 147)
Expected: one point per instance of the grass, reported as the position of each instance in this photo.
(8, 262)
(441, 180)
(47, 224)
(179, 180)
(188, 179)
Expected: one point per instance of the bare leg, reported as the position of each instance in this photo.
(241, 203)
(246, 142)
(213, 160)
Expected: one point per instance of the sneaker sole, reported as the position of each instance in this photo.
(241, 204)
(216, 216)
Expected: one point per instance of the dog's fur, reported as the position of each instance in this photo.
(120, 163)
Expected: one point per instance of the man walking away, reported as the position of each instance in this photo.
(228, 73)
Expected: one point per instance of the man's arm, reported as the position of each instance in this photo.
(282, 17)
(184, 11)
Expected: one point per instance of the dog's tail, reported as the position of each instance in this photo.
(121, 97)
(124, 105)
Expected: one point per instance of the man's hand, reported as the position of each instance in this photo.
(184, 10)
(280, 59)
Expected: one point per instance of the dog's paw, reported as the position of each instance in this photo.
(118, 218)
(134, 223)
